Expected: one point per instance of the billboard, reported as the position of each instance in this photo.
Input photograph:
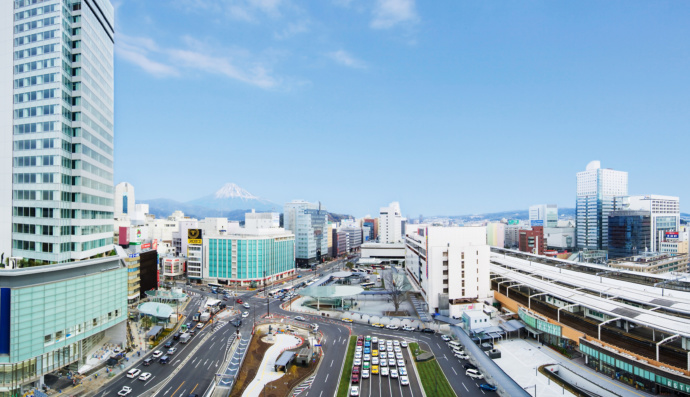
(538, 222)
(671, 235)
(146, 246)
(514, 222)
(194, 236)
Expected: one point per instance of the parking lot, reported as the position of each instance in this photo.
(396, 378)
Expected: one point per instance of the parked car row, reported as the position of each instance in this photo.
(381, 357)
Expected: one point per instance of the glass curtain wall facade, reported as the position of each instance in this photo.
(309, 223)
(247, 258)
(62, 149)
(629, 233)
(53, 324)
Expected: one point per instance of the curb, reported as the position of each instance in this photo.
(416, 370)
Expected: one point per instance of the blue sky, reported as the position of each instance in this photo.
(449, 107)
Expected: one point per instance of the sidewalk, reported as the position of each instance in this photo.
(266, 374)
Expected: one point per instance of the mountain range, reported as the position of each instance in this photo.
(230, 201)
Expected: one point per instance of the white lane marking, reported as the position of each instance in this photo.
(463, 385)
(332, 362)
(326, 380)
(456, 374)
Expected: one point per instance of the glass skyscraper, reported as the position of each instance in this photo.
(56, 144)
(597, 189)
(629, 233)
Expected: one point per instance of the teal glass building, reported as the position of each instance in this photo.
(245, 259)
(53, 316)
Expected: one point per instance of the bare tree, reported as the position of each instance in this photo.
(395, 289)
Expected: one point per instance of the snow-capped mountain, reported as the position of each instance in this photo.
(230, 190)
(232, 197)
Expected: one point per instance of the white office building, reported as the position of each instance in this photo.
(596, 190)
(309, 223)
(124, 200)
(449, 266)
(547, 213)
(663, 210)
(56, 113)
(390, 224)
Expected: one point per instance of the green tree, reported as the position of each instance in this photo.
(146, 322)
(350, 265)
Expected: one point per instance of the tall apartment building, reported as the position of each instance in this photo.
(664, 213)
(58, 157)
(532, 240)
(309, 223)
(390, 224)
(449, 266)
(548, 213)
(596, 191)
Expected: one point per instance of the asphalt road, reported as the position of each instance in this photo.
(199, 369)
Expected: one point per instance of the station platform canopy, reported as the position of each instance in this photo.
(156, 309)
(331, 291)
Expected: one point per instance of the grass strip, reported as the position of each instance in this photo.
(415, 349)
(344, 385)
(433, 379)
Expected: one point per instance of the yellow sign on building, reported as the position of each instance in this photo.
(194, 236)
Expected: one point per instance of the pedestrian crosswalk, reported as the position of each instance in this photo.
(303, 386)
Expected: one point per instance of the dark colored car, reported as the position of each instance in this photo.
(148, 361)
(487, 387)
(237, 322)
(469, 366)
(168, 344)
(176, 336)
(428, 331)
(355, 378)
(192, 331)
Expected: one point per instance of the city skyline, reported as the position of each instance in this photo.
(287, 100)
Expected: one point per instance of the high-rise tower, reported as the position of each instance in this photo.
(56, 134)
(596, 191)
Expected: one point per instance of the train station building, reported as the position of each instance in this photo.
(632, 327)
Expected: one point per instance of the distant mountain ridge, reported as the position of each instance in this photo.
(230, 201)
(517, 214)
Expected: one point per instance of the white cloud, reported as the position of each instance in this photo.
(171, 62)
(344, 58)
(388, 13)
(245, 10)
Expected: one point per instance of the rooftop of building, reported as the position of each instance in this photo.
(650, 258)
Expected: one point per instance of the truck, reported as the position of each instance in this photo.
(204, 317)
(196, 316)
(184, 338)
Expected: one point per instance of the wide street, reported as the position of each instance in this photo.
(199, 360)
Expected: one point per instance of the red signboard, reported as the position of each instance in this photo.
(146, 246)
(123, 239)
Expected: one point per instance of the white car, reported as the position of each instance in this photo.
(145, 376)
(401, 363)
(399, 356)
(407, 328)
(391, 326)
(357, 362)
(382, 347)
(403, 344)
(384, 371)
(382, 355)
(374, 361)
(132, 373)
(384, 363)
(445, 337)
(358, 349)
(365, 374)
(403, 371)
(397, 349)
(404, 380)
(300, 318)
(125, 391)
(354, 391)
(245, 314)
(367, 357)
(396, 343)
(358, 355)
(374, 340)
(200, 325)
(157, 353)
(394, 373)
(391, 362)
(462, 356)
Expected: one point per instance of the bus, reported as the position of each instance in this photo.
(214, 287)
(367, 285)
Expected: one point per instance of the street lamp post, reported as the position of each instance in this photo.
(268, 303)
